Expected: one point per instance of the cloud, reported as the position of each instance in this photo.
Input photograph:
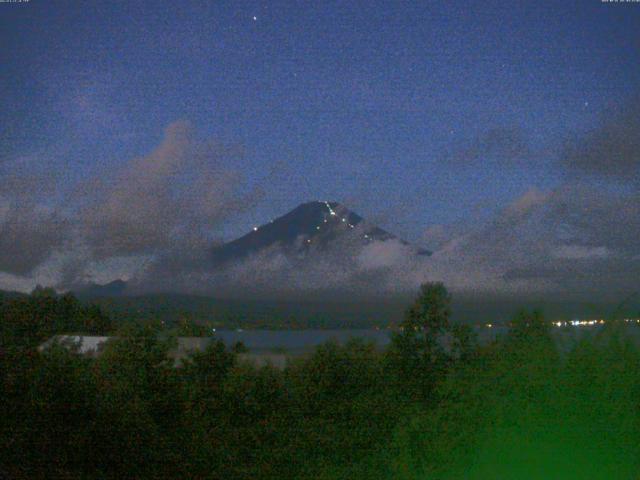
(436, 236)
(573, 238)
(342, 269)
(579, 236)
(524, 204)
(32, 226)
(166, 204)
(505, 146)
(612, 149)
(580, 252)
(383, 254)
(157, 216)
(176, 195)
(28, 236)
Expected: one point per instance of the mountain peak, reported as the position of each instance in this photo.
(310, 224)
(321, 205)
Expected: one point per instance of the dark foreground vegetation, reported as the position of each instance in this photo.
(514, 409)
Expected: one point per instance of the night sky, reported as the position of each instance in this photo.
(436, 120)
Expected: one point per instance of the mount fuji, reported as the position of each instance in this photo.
(318, 225)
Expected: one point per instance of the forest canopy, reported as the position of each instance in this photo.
(518, 407)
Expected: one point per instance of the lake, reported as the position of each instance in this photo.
(300, 341)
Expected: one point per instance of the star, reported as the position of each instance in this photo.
(255, 18)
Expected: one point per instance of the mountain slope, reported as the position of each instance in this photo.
(115, 288)
(317, 224)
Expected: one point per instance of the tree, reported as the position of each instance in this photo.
(464, 342)
(527, 326)
(416, 352)
(342, 405)
(189, 328)
(27, 321)
(138, 405)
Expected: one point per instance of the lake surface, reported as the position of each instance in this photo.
(300, 341)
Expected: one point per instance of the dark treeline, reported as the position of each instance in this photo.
(228, 314)
(516, 408)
